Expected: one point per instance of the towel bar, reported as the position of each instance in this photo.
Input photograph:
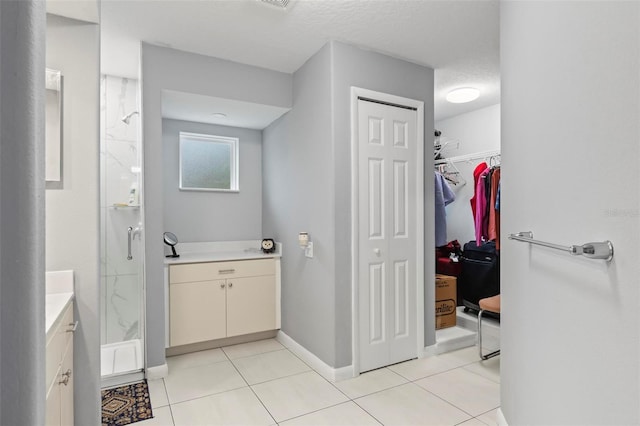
(596, 250)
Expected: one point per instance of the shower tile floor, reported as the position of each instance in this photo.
(263, 383)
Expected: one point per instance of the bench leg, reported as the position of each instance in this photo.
(491, 354)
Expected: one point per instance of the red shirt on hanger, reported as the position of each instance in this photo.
(476, 175)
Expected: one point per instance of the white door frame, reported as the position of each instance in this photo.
(357, 92)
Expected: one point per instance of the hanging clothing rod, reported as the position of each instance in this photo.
(597, 250)
(467, 157)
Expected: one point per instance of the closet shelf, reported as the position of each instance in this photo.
(468, 157)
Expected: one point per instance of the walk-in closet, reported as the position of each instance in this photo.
(467, 178)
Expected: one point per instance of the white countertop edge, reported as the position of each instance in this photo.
(55, 304)
(222, 251)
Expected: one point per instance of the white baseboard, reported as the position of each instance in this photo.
(158, 372)
(501, 421)
(326, 371)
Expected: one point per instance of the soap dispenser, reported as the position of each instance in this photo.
(134, 195)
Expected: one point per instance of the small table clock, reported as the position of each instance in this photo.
(268, 245)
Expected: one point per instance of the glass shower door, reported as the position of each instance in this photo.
(122, 301)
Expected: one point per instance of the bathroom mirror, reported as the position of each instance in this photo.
(171, 240)
(53, 126)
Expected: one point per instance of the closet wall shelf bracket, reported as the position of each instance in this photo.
(596, 250)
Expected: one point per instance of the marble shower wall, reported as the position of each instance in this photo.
(119, 158)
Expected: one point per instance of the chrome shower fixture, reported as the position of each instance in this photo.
(127, 118)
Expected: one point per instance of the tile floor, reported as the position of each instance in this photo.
(263, 383)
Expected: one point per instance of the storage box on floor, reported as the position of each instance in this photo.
(448, 263)
(445, 301)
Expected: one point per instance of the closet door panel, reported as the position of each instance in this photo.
(387, 234)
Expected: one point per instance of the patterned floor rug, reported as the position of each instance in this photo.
(126, 404)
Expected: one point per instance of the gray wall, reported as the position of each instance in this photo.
(307, 175)
(213, 216)
(22, 252)
(298, 196)
(163, 68)
(570, 105)
(72, 219)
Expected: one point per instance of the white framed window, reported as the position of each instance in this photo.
(208, 163)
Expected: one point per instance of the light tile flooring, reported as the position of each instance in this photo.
(263, 383)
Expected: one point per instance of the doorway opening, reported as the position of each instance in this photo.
(462, 144)
(121, 279)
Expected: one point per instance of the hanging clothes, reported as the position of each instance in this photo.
(443, 197)
(476, 175)
(481, 205)
(494, 213)
(487, 201)
(487, 208)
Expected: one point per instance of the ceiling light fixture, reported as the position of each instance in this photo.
(219, 115)
(463, 95)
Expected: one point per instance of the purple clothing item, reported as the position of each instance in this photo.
(481, 206)
(444, 196)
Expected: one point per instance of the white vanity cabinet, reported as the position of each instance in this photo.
(197, 311)
(251, 305)
(59, 369)
(214, 300)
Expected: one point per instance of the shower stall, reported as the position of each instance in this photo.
(121, 238)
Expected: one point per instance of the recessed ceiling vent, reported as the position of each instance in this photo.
(281, 4)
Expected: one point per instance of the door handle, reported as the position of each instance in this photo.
(376, 251)
(129, 233)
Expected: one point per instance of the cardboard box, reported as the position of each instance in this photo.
(445, 301)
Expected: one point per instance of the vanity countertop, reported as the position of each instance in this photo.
(220, 252)
(59, 293)
(55, 305)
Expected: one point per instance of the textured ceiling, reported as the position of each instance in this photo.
(459, 39)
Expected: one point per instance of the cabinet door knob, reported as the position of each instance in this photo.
(66, 376)
(221, 285)
(230, 285)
